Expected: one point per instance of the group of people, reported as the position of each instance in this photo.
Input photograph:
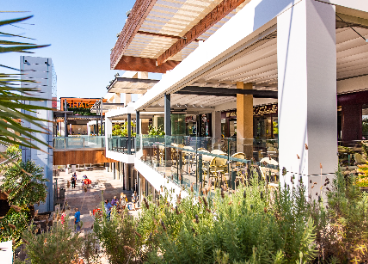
(77, 214)
(120, 203)
(85, 180)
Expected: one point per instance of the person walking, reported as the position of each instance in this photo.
(77, 220)
(108, 207)
(73, 182)
(135, 199)
(63, 215)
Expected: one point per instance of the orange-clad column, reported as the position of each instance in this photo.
(244, 106)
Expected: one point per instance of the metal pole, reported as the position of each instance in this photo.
(129, 146)
(199, 166)
(97, 127)
(65, 120)
(167, 121)
(101, 113)
(137, 119)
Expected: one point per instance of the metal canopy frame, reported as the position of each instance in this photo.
(227, 92)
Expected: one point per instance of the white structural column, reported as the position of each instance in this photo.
(306, 55)
(108, 131)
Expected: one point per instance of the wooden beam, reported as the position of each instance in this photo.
(158, 35)
(218, 13)
(161, 35)
(130, 63)
(137, 16)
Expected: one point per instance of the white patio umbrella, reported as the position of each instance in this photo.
(269, 161)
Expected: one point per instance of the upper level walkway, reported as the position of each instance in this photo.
(79, 150)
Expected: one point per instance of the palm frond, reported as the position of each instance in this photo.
(14, 99)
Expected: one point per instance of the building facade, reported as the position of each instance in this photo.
(41, 71)
(292, 72)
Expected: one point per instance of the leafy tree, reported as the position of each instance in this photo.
(25, 186)
(153, 131)
(14, 154)
(122, 130)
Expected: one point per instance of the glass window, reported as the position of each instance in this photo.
(365, 122)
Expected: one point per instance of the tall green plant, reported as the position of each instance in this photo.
(343, 232)
(245, 226)
(59, 245)
(118, 236)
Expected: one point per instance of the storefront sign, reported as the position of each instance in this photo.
(265, 110)
(231, 114)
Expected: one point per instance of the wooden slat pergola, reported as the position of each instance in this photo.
(159, 34)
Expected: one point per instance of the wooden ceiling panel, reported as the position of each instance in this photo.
(129, 63)
(176, 18)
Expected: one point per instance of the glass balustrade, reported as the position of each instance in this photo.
(122, 145)
(79, 142)
(202, 164)
(351, 153)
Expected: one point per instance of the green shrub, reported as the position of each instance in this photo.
(118, 236)
(245, 226)
(59, 245)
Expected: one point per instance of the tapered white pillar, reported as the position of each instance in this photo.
(306, 57)
(108, 131)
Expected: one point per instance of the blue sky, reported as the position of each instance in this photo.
(81, 34)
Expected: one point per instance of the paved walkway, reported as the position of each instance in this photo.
(103, 187)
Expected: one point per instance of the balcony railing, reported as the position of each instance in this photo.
(80, 142)
(122, 145)
(204, 163)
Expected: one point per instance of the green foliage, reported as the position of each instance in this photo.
(122, 130)
(118, 236)
(59, 245)
(25, 184)
(365, 126)
(344, 235)
(362, 179)
(14, 155)
(81, 111)
(245, 226)
(153, 131)
(12, 96)
(13, 224)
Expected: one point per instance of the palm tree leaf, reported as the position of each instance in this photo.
(21, 139)
(8, 67)
(11, 21)
(14, 100)
(8, 42)
(5, 34)
(20, 48)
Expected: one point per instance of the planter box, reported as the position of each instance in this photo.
(364, 189)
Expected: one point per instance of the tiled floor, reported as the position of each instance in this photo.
(103, 187)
